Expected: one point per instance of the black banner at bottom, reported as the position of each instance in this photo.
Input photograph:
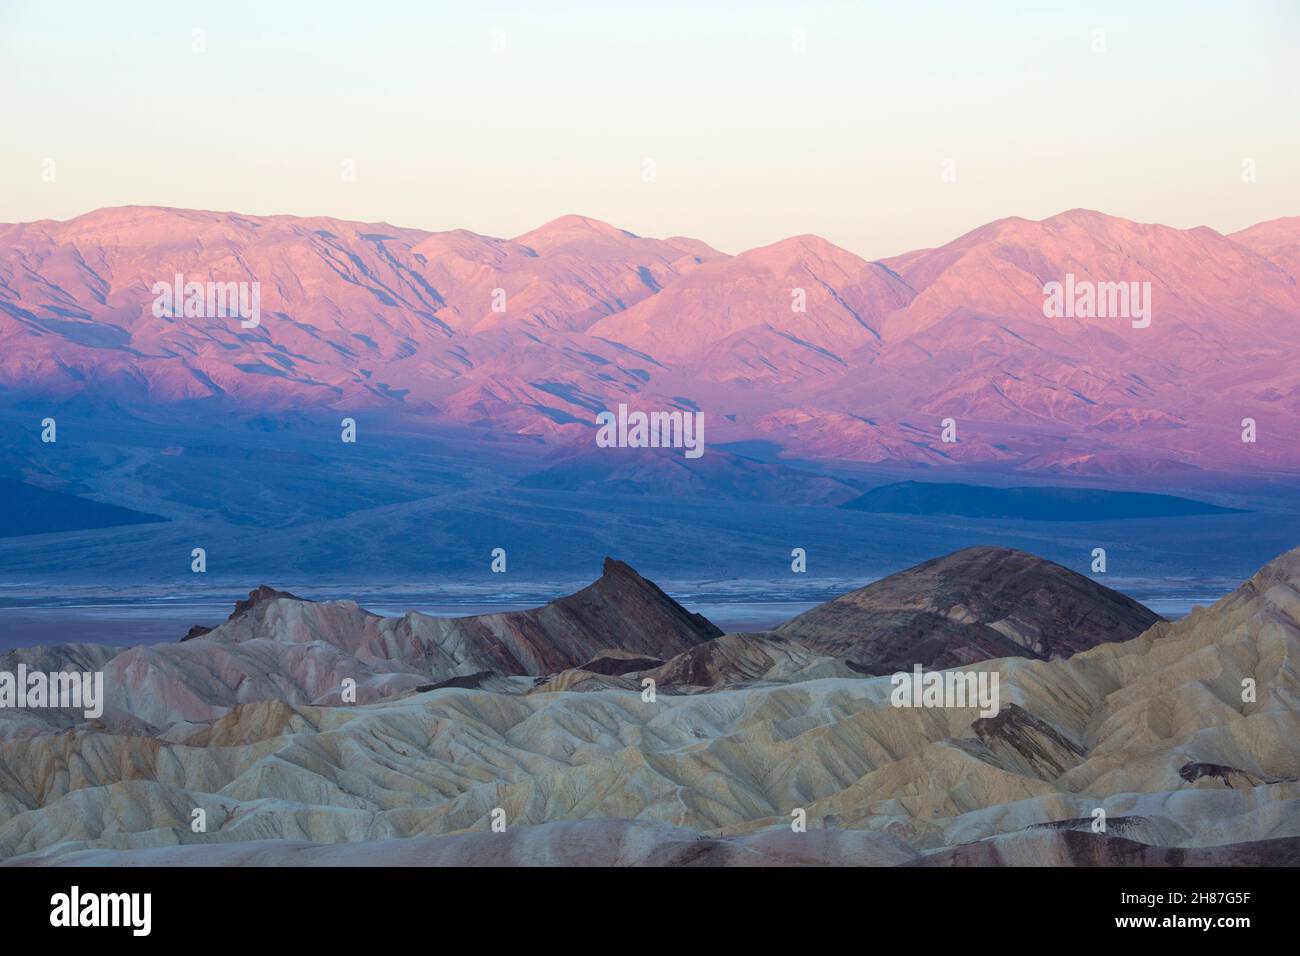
(338, 906)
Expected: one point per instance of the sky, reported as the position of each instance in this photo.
(882, 127)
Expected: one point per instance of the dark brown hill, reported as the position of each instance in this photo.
(971, 605)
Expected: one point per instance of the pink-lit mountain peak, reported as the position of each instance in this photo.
(1203, 283)
(584, 236)
(805, 252)
(1278, 240)
(798, 342)
(571, 228)
(155, 227)
(803, 289)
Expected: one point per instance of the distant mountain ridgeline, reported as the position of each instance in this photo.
(532, 337)
(647, 472)
(26, 509)
(279, 497)
(1028, 503)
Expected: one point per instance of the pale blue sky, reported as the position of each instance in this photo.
(751, 141)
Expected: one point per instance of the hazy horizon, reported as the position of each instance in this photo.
(880, 129)
(668, 235)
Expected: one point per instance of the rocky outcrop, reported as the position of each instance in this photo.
(1186, 738)
(744, 659)
(728, 662)
(1073, 848)
(614, 663)
(972, 605)
(259, 595)
(277, 646)
(620, 609)
(1022, 743)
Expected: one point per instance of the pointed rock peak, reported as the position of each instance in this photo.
(260, 595)
(1079, 214)
(613, 567)
(572, 228)
(622, 575)
(624, 599)
(1099, 223)
(810, 240)
(798, 252)
(806, 244)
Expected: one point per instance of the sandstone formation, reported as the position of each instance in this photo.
(1186, 738)
(276, 646)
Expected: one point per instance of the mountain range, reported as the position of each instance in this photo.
(799, 344)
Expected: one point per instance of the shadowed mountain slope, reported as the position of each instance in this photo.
(971, 605)
(1026, 503)
(719, 475)
(620, 608)
(27, 509)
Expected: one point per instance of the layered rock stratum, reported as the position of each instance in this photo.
(1186, 737)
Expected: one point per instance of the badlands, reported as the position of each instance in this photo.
(1121, 738)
